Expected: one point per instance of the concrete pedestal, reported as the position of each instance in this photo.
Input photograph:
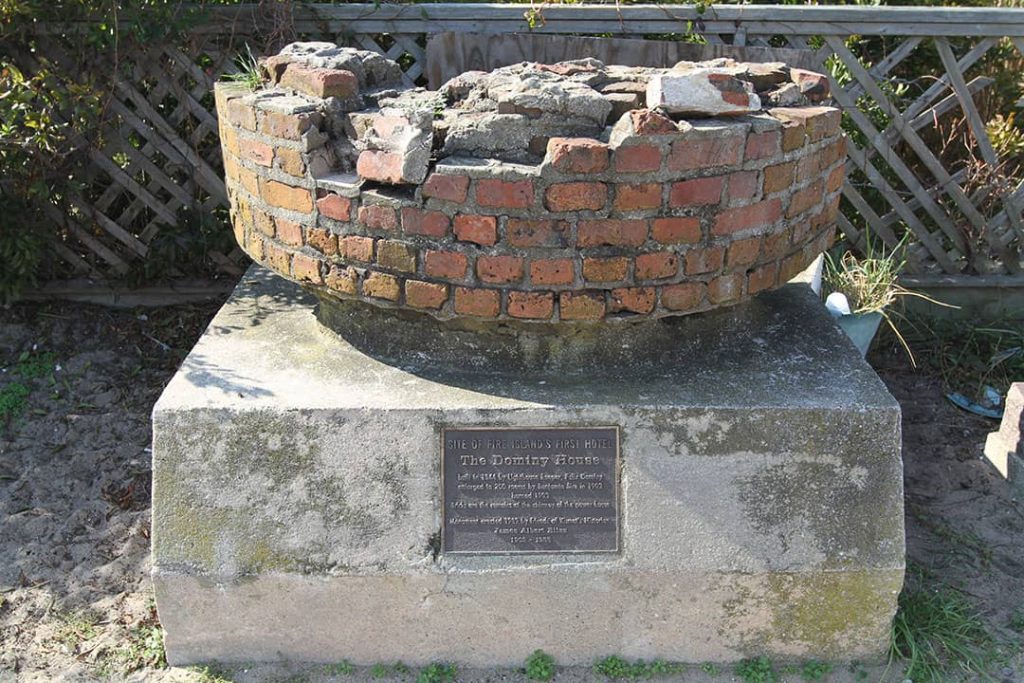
(296, 494)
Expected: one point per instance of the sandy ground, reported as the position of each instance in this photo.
(75, 597)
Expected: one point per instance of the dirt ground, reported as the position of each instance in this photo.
(75, 595)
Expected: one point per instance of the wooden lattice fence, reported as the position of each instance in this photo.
(156, 175)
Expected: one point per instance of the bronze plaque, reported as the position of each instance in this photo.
(537, 490)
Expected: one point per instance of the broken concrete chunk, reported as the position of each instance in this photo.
(623, 102)
(705, 91)
(371, 69)
(767, 75)
(813, 85)
(397, 147)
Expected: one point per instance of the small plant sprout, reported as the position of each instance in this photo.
(813, 670)
(438, 672)
(540, 666)
(249, 71)
(758, 670)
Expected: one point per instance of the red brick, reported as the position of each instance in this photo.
(446, 264)
(747, 217)
(344, 279)
(554, 271)
(322, 240)
(726, 288)
(319, 82)
(776, 245)
(819, 122)
(632, 299)
(499, 269)
(531, 305)
(743, 185)
(480, 303)
(647, 122)
(577, 155)
(835, 179)
(306, 269)
(704, 260)
(356, 248)
(811, 83)
(743, 252)
(381, 286)
(576, 196)
(290, 161)
(482, 230)
(288, 126)
(807, 168)
(419, 222)
(685, 296)
(804, 199)
(681, 230)
(420, 294)
(633, 197)
(697, 192)
(586, 305)
(384, 167)
(335, 206)
(763, 278)
(778, 177)
(763, 145)
(611, 232)
(378, 217)
(506, 194)
(255, 151)
(656, 265)
(536, 233)
(690, 155)
(611, 269)
(289, 232)
(395, 255)
(285, 196)
(451, 188)
(791, 267)
(637, 159)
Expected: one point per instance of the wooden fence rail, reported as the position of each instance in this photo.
(161, 156)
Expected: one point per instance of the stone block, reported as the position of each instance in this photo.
(296, 492)
(1005, 448)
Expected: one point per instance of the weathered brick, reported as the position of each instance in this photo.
(726, 288)
(637, 159)
(248, 180)
(536, 233)
(290, 161)
(743, 252)
(835, 179)
(450, 188)
(762, 278)
(656, 265)
(446, 264)
(577, 155)
(255, 246)
(576, 196)
(680, 230)
(356, 248)
(763, 145)
(690, 155)
(805, 199)
(241, 114)
(696, 192)
(335, 206)
(419, 222)
(778, 177)
(288, 232)
(585, 305)
(344, 279)
(744, 185)
(482, 230)
(811, 83)
(506, 194)
(818, 122)
(686, 296)
(419, 294)
(378, 217)
(285, 196)
(531, 305)
(807, 168)
(554, 271)
(322, 240)
(791, 267)
(480, 303)
(648, 122)
(255, 151)
(381, 166)
(287, 126)
(748, 217)
(499, 269)
(319, 82)
(632, 299)
(704, 260)
(278, 258)
(306, 269)
(610, 269)
(776, 245)
(264, 223)
(611, 232)
(381, 286)
(396, 256)
(633, 197)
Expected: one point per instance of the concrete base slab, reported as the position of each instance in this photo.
(297, 493)
(1005, 448)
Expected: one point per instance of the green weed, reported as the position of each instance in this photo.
(758, 670)
(342, 668)
(76, 627)
(438, 672)
(212, 674)
(143, 649)
(249, 72)
(540, 666)
(616, 667)
(1017, 621)
(379, 670)
(813, 670)
(711, 669)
